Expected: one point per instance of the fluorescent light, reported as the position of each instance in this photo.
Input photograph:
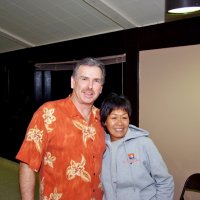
(182, 6)
(184, 10)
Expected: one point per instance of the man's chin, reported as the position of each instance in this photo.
(89, 101)
(89, 98)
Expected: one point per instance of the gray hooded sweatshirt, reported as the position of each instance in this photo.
(133, 169)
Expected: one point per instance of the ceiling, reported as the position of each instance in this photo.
(31, 23)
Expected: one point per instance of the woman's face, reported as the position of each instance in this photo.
(117, 124)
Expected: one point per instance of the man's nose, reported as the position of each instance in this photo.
(90, 84)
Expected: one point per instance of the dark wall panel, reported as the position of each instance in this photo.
(16, 107)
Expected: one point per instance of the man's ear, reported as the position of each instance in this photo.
(101, 90)
(72, 82)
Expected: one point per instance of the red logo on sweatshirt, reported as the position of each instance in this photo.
(131, 159)
(131, 156)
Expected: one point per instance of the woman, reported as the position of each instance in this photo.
(133, 168)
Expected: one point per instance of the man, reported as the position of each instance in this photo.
(65, 142)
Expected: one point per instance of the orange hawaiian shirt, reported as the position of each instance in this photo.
(66, 151)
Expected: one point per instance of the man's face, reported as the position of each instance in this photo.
(87, 84)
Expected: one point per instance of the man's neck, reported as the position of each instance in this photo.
(84, 109)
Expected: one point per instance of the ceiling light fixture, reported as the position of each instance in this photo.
(182, 6)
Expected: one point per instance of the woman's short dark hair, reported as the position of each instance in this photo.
(112, 102)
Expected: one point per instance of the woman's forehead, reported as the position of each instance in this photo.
(119, 110)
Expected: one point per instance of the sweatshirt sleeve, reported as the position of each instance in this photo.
(163, 179)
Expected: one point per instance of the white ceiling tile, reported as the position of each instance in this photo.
(39, 22)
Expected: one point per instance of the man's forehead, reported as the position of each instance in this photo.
(88, 66)
(86, 70)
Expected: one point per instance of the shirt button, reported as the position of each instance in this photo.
(93, 190)
(94, 174)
